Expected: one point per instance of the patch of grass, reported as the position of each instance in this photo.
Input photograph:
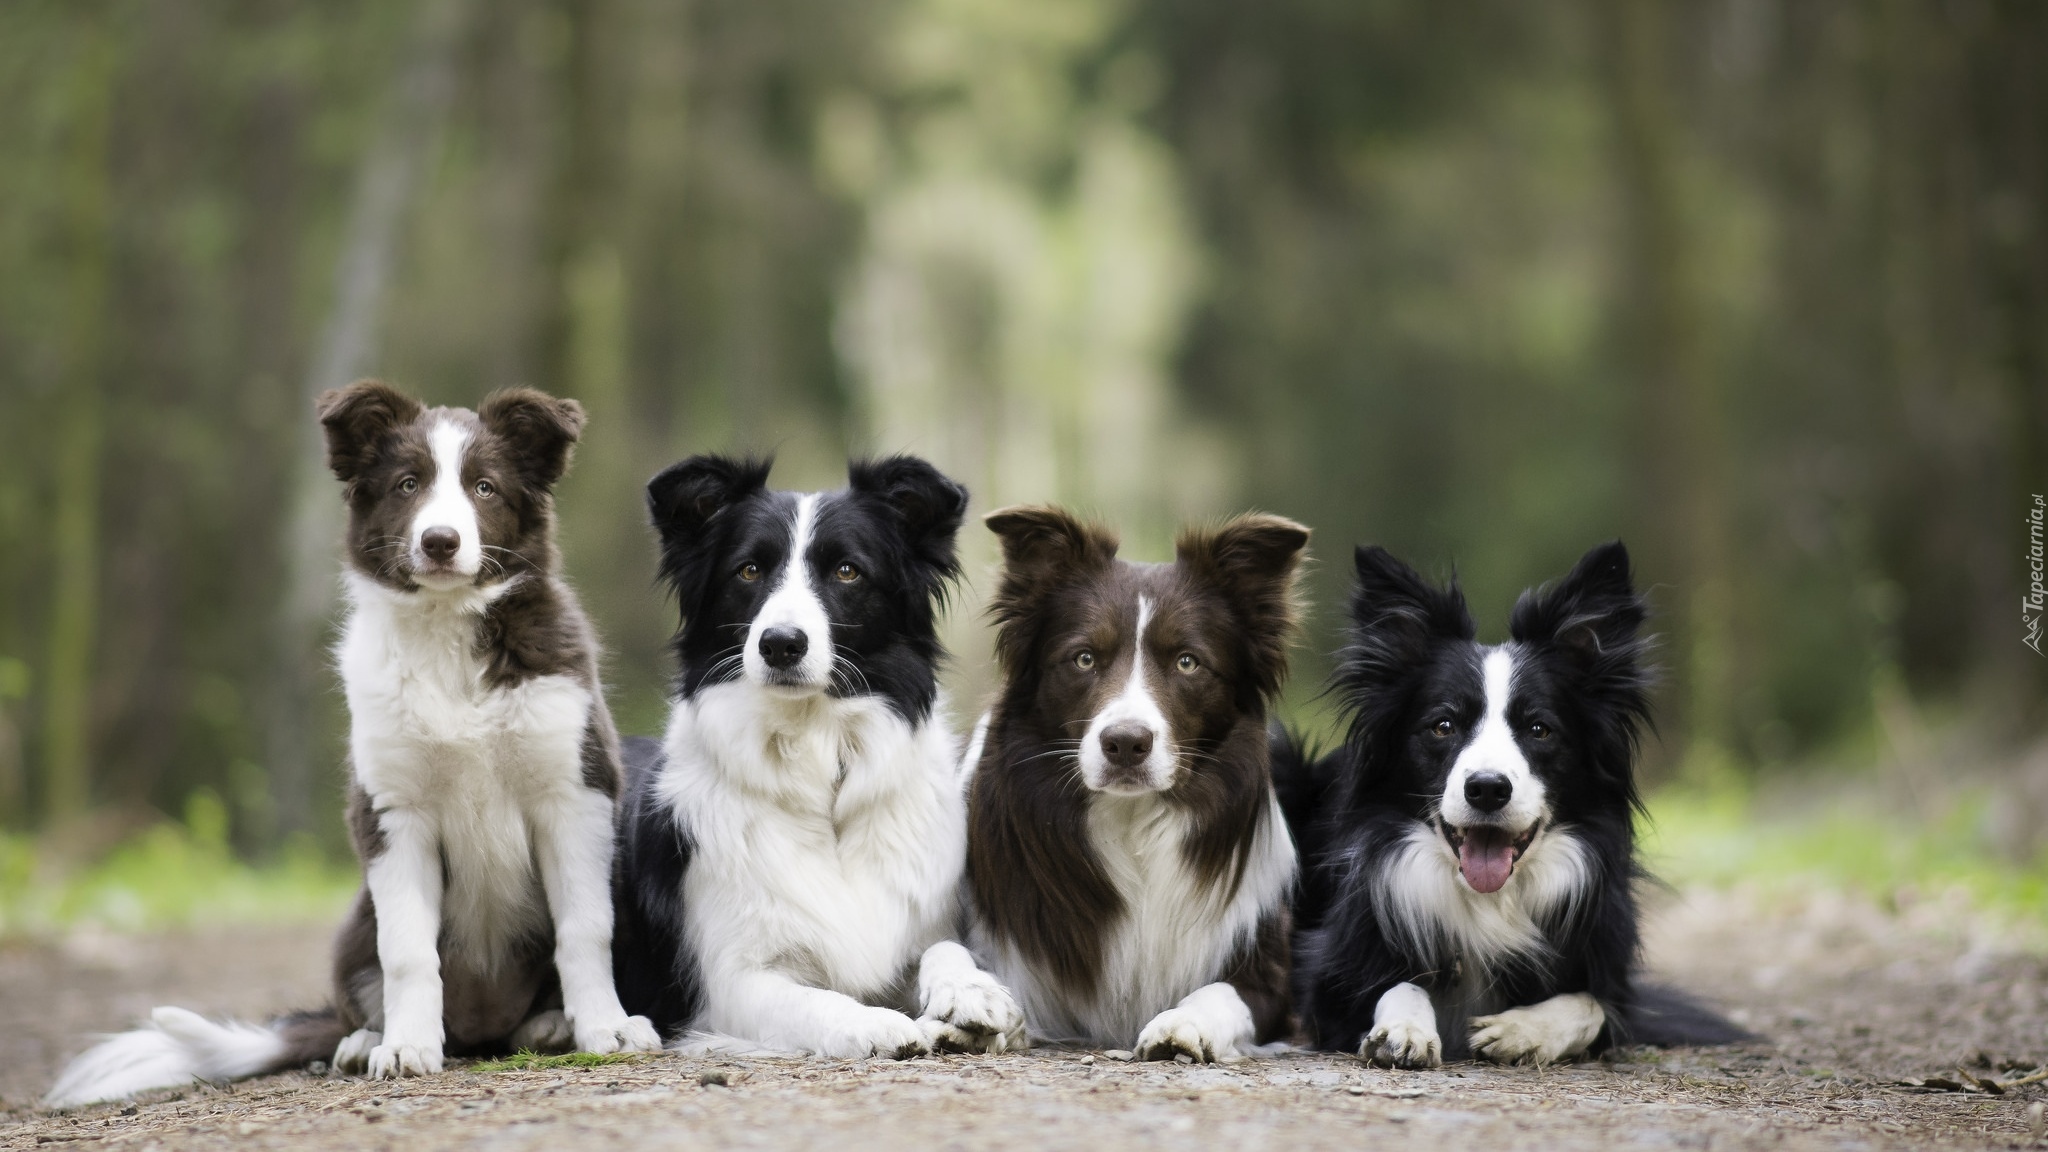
(525, 1060)
(1727, 836)
(172, 875)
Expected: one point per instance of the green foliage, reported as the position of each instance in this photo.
(1725, 837)
(525, 1060)
(173, 875)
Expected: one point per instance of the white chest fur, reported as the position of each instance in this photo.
(829, 837)
(428, 734)
(1177, 933)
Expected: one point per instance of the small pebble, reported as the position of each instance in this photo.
(1356, 1089)
(1087, 1059)
(1117, 1054)
(1183, 1058)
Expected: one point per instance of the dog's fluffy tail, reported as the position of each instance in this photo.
(1664, 1017)
(177, 1048)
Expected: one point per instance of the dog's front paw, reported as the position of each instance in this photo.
(391, 1061)
(1187, 1030)
(618, 1034)
(352, 1055)
(1403, 1044)
(1557, 1029)
(876, 1032)
(973, 1014)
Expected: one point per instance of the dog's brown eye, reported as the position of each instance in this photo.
(846, 573)
(750, 572)
(1084, 661)
(485, 489)
(409, 485)
(1187, 662)
(1442, 729)
(1538, 730)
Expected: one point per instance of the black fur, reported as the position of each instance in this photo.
(896, 519)
(1410, 680)
(655, 974)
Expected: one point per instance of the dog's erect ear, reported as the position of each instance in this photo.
(1254, 559)
(927, 503)
(1593, 612)
(684, 498)
(1396, 617)
(357, 419)
(540, 428)
(1393, 600)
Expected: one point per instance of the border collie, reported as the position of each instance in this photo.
(1470, 850)
(1129, 861)
(792, 854)
(484, 769)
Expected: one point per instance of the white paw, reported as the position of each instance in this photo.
(1182, 1031)
(875, 1032)
(352, 1055)
(619, 1034)
(391, 1061)
(547, 1031)
(1557, 1029)
(973, 1014)
(1403, 1044)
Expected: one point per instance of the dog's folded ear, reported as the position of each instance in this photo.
(684, 499)
(1044, 546)
(1254, 559)
(929, 504)
(1594, 613)
(541, 430)
(357, 419)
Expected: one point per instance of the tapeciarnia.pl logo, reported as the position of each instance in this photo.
(2036, 599)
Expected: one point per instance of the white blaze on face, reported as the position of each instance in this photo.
(794, 604)
(1133, 706)
(1493, 749)
(448, 506)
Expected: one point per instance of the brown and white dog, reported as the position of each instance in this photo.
(484, 769)
(1127, 855)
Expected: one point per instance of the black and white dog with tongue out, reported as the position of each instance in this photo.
(1469, 852)
(791, 854)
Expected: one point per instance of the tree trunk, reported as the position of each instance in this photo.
(1678, 403)
(348, 349)
(74, 602)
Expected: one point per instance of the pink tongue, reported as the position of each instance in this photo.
(1486, 858)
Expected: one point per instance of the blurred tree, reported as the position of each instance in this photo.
(75, 556)
(391, 171)
(1681, 446)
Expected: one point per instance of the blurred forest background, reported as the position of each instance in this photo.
(1759, 286)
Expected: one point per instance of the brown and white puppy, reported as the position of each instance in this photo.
(484, 768)
(1128, 859)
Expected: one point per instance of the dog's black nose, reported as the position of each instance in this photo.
(783, 647)
(1488, 791)
(440, 544)
(1127, 745)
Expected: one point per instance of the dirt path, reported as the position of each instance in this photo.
(1851, 998)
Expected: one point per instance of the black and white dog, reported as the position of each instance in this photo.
(791, 862)
(1470, 849)
(484, 769)
(1130, 864)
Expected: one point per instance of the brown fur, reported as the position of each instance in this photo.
(521, 441)
(1228, 599)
